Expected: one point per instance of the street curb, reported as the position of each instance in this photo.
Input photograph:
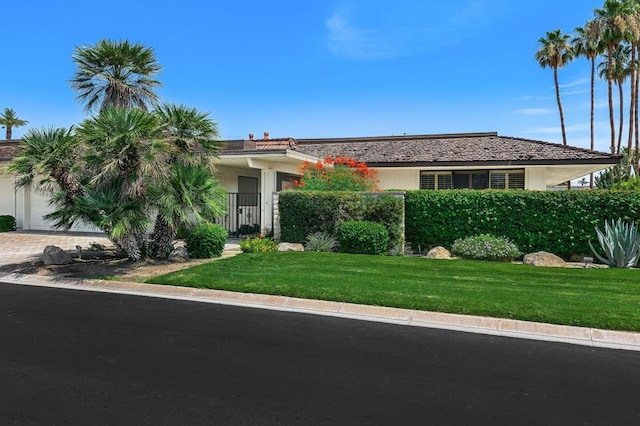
(467, 323)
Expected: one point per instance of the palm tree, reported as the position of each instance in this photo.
(124, 152)
(611, 20)
(50, 153)
(586, 42)
(192, 136)
(620, 72)
(115, 74)
(188, 196)
(9, 119)
(555, 52)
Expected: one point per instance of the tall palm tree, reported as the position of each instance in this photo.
(555, 51)
(612, 23)
(192, 136)
(9, 119)
(115, 74)
(620, 72)
(586, 42)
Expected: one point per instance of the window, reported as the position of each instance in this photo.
(472, 179)
(507, 179)
(435, 180)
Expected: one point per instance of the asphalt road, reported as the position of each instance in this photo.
(81, 358)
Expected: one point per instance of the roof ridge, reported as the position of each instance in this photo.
(575, 148)
(313, 141)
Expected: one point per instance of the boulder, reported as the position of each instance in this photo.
(53, 255)
(179, 254)
(543, 258)
(290, 247)
(438, 252)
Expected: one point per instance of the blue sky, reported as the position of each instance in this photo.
(318, 68)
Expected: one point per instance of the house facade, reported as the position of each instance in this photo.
(253, 171)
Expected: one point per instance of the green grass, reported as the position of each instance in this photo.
(600, 298)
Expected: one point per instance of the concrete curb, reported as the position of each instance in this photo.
(466, 323)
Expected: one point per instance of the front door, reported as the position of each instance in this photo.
(248, 206)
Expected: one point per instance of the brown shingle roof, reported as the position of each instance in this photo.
(450, 150)
(9, 149)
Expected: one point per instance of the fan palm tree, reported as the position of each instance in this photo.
(192, 136)
(620, 72)
(115, 74)
(9, 119)
(188, 196)
(555, 52)
(50, 153)
(612, 23)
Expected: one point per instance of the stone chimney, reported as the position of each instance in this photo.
(250, 136)
(266, 136)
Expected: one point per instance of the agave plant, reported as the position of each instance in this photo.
(620, 242)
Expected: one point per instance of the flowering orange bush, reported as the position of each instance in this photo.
(337, 174)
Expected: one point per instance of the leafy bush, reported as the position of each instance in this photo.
(560, 222)
(321, 241)
(206, 240)
(305, 212)
(337, 174)
(621, 244)
(363, 237)
(7, 223)
(258, 245)
(486, 247)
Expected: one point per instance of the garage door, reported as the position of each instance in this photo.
(39, 206)
(7, 195)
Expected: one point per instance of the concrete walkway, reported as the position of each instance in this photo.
(23, 245)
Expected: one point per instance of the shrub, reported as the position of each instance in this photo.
(337, 174)
(206, 240)
(258, 245)
(621, 244)
(486, 247)
(7, 223)
(321, 241)
(363, 237)
(305, 212)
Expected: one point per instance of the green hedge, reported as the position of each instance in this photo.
(7, 223)
(363, 237)
(305, 212)
(560, 222)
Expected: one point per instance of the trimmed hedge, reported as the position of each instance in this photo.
(7, 223)
(363, 237)
(560, 222)
(305, 212)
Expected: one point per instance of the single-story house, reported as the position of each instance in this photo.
(254, 170)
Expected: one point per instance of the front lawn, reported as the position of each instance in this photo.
(600, 298)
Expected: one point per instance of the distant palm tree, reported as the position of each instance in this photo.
(555, 51)
(612, 23)
(620, 72)
(9, 119)
(586, 42)
(115, 74)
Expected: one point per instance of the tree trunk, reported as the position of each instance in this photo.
(162, 239)
(130, 244)
(632, 76)
(610, 90)
(621, 125)
(555, 79)
(8, 132)
(593, 111)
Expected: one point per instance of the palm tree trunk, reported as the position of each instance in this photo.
(593, 111)
(637, 127)
(632, 77)
(621, 125)
(8, 132)
(162, 239)
(610, 90)
(555, 79)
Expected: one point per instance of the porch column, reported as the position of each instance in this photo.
(268, 182)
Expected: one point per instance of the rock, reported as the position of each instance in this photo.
(438, 252)
(53, 255)
(290, 247)
(179, 254)
(543, 258)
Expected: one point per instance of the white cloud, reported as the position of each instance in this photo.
(556, 129)
(356, 43)
(575, 83)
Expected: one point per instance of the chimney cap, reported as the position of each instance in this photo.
(266, 135)
(250, 136)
